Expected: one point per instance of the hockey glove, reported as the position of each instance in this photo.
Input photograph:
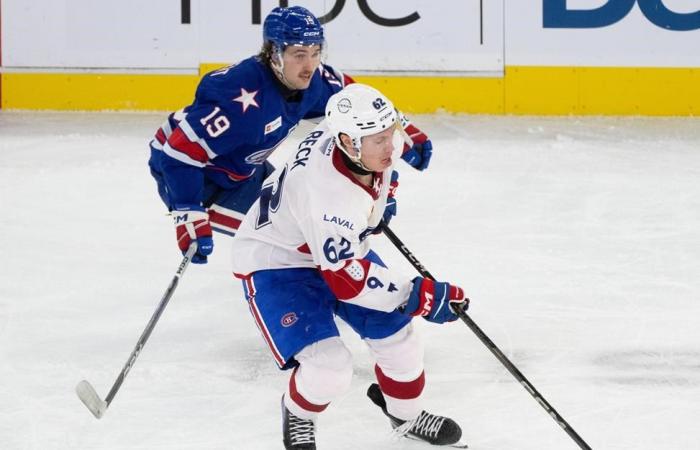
(418, 152)
(432, 300)
(390, 209)
(193, 224)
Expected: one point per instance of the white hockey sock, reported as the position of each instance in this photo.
(324, 374)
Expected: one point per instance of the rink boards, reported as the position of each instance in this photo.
(523, 90)
(545, 57)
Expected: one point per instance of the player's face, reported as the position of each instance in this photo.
(300, 63)
(377, 150)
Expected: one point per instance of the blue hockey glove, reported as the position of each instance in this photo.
(193, 224)
(419, 155)
(418, 152)
(432, 300)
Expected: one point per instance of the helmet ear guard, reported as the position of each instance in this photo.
(358, 111)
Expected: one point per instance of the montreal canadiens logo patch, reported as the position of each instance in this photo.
(289, 319)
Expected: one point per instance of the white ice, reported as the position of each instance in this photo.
(578, 240)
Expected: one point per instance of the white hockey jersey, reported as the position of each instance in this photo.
(314, 213)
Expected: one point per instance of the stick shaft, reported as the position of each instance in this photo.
(151, 323)
(490, 345)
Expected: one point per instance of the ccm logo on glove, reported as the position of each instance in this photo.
(193, 225)
(432, 300)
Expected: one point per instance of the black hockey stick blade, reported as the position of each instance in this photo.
(88, 395)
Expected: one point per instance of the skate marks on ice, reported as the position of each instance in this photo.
(250, 360)
(651, 367)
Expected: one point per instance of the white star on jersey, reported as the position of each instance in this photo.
(247, 99)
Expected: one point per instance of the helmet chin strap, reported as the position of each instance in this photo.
(356, 164)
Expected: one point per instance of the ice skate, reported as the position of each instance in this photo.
(427, 427)
(299, 434)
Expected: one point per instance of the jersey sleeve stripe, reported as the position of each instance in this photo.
(160, 136)
(156, 145)
(165, 131)
(231, 223)
(193, 137)
(181, 156)
(170, 123)
(179, 144)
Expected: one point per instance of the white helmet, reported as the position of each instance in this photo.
(359, 110)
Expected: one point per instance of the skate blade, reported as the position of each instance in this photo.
(88, 395)
(457, 444)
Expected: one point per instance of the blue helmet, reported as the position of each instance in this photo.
(292, 26)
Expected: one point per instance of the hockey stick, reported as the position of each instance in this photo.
(84, 389)
(462, 314)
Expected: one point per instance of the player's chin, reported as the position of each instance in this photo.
(303, 82)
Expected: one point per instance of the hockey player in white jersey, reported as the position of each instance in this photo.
(304, 256)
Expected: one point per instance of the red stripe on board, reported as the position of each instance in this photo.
(299, 399)
(403, 390)
(180, 142)
(223, 219)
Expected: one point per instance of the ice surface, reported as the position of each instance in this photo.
(578, 241)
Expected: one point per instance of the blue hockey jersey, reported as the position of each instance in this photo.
(240, 114)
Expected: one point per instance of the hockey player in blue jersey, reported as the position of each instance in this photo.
(209, 158)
